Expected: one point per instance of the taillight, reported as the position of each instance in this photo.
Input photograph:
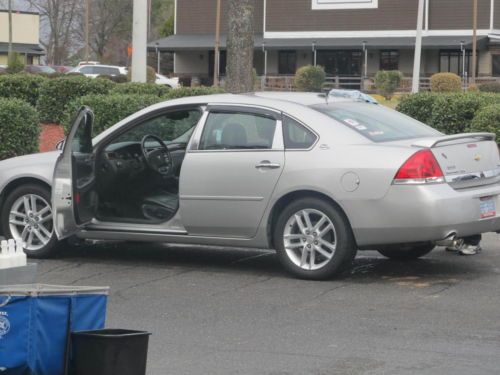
(421, 168)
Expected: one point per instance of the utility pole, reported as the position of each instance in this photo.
(217, 45)
(418, 48)
(474, 43)
(10, 28)
(139, 41)
(87, 26)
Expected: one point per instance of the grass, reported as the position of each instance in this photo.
(392, 103)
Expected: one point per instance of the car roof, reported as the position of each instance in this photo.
(104, 66)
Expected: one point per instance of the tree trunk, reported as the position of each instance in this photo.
(240, 45)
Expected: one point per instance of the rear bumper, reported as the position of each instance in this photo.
(422, 213)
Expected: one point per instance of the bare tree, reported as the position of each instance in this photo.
(58, 18)
(240, 46)
(109, 20)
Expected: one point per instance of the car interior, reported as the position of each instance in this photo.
(137, 172)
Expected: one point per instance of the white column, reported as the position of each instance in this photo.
(418, 48)
(139, 40)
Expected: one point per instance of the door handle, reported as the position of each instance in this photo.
(267, 164)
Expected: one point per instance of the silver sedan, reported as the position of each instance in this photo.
(316, 178)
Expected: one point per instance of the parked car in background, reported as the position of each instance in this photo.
(171, 82)
(37, 69)
(95, 70)
(62, 68)
(314, 177)
(81, 63)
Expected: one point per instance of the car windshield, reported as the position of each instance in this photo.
(376, 122)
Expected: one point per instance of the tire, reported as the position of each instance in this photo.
(40, 224)
(406, 252)
(295, 245)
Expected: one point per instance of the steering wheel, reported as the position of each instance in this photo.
(159, 159)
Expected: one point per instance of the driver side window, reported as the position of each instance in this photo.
(172, 127)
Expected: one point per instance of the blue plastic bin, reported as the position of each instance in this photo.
(36, 321)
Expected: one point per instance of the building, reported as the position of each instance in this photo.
(25, 36)
(349, 38)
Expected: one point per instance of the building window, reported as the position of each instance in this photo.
(389, 60)
(287, 62)
(340, 62)
(496, 66)
(452, 61)
(344, 4)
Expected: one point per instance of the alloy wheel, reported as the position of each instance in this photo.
(30, 221)
(310, 239)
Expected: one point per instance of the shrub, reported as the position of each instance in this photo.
(192, 91)
(14, 63)
(487, 119)
(19, 128)
(21, 86)
(490, 87)
(309, 78)
(453, 113)
(140, 88)
(108, 109)
(387, 82)
(419, 106)
(56, 93)
(446, 82)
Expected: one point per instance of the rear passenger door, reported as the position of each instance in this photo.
(230, 170)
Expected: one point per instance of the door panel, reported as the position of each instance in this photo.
(226, 183)
(74, 200)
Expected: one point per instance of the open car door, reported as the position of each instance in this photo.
(74, 200)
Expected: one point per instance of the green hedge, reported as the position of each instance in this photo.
(487, 119)
(55, 94)
(19, 128)
(108, 109)
(21, 86)
(138, 88)
(309, 78)
(450, 113)
(490, 87)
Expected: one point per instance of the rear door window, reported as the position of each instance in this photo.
(236, 131)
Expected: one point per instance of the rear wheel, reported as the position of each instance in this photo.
(406, 252)
(26, 215)
(313, 239)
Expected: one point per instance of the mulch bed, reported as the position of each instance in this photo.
(50, 135)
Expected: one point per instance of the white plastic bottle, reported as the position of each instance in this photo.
(4, 256)
(20, 254)
(12, 253)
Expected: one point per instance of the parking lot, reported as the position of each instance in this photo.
(215, 311)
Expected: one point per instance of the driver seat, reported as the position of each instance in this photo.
(161, 206)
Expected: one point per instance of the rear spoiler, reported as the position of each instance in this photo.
(429, 143)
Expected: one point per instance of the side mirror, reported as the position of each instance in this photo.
(60, 144)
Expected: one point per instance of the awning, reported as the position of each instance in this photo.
(30, 49)
(186, 42)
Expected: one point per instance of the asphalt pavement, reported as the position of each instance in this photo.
(234, 311)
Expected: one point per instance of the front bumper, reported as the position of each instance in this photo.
(422, 213)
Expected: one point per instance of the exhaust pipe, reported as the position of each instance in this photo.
(451, 241)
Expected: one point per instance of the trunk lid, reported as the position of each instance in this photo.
(467, 160)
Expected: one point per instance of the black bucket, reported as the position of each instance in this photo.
(109, 352)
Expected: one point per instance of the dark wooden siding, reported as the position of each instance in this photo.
(457, 14)
(198, 16)
(297, 15)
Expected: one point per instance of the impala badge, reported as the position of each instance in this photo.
(477, 157)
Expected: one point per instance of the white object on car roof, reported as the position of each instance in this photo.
(162, 80)
(353, 94)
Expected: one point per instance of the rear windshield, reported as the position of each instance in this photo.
(376, 122)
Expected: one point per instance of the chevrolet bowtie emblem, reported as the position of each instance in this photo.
(477, 157)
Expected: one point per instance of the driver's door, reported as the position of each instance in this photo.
(74, 199)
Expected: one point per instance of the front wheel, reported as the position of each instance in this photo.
(313, 239)
(406, 252)
(26, 216)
